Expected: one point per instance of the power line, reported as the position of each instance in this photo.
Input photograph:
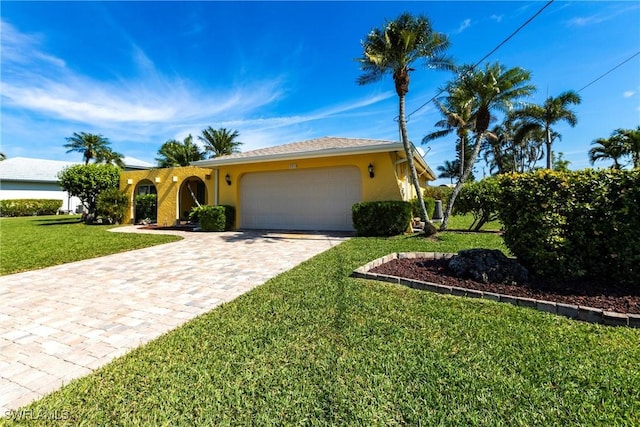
(617, 66)
(488, 54)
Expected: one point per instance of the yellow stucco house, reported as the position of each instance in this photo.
(309, 185)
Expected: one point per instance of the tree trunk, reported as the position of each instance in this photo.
(463, 178)
(549, 154)
(429, 229)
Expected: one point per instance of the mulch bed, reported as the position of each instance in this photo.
(606, 296)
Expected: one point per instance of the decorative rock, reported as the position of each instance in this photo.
(487, 265)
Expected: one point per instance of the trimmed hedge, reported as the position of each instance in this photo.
(29, 207)
(213, 218)
(230, 217)
(386, 218)
(574, 224)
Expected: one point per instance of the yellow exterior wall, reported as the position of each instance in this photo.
(168, 189)
(389, 181)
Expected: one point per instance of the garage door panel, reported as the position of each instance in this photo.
(312, 199)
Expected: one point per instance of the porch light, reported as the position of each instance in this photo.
(227, 178)
(175, 179)
(157, 179)
(370, 169)
(129, 181)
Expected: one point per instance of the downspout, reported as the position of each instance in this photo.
(215, 187)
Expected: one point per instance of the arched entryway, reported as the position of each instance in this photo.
(192, 189)
(145, 202)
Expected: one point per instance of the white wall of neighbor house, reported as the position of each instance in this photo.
(38, 190)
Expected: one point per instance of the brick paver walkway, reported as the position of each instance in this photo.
(62, 322)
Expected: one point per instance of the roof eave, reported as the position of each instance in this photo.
(212, 163)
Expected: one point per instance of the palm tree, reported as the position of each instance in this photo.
(449, 170)
(493, 88)
(457, 117)
(631, 138)
(393, 49)
(608, 148)
(2, 157)
(542, 117)
(110, 157)
(220, 142)
(90, 145)
(174, 153)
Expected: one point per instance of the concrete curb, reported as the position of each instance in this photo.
(582, 313)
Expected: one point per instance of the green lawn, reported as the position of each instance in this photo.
(29, 243)
(316, 347)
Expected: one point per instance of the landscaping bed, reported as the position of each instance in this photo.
(590, 293)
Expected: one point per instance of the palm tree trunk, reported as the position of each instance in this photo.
(463, 178)
(549, 154)
(429, 229)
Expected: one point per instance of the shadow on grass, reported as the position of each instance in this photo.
(59, 221)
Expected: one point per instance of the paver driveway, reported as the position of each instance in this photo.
(62, 322)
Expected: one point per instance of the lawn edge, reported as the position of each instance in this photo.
(575, 312)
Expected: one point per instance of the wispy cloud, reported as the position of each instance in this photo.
(582, 21)
(464, 25)
(628, 93)
(497, 18)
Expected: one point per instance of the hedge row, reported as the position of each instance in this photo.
(574, 224)
(386, 218)
(29, 207)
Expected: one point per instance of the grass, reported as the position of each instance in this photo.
(316, 347)
(30, 243)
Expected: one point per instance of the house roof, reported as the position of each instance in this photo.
(28, 169)
(43, 170)
(319, 147)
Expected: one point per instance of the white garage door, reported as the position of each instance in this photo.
(312, 199)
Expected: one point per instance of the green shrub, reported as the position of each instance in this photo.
(429, 203)
(210, 218)
(112, 205)
(147, 207)
(438, 193)
(230, 217)
(29, 207)
(574, 224)
(386, 218)
(480, 199)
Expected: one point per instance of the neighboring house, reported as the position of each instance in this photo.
(309, 185)
(27, 178)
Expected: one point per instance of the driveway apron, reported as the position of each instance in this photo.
(63, 322)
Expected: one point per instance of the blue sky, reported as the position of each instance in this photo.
(141, 73)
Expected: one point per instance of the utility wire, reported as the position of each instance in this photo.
(617, 66)
(488, 54)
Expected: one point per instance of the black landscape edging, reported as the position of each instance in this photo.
(583, 313)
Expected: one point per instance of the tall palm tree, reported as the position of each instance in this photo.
(491, 89)
(393, 49)
(110, 157)
(449, 170)
(457, 118)
(613, 148)
(90, 145)
(2, 157)
(631, 139)
(543, 117)
(220, 142)
(174, 153)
